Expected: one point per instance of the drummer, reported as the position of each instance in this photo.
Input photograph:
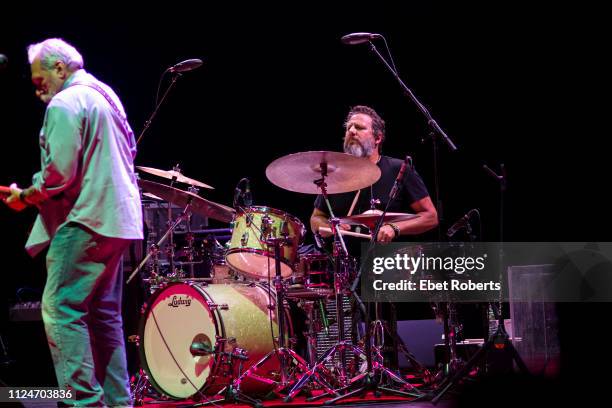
(363, 137)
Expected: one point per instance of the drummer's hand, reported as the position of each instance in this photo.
(13, 200)
(385, 234)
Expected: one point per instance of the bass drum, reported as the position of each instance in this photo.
(183, 319)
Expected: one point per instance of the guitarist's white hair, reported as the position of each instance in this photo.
(55, 49)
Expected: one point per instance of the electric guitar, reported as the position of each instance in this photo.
(5, 191)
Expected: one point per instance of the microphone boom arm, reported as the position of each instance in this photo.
(175, 77)
(430, 120)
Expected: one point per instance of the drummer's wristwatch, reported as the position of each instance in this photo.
(395, 229)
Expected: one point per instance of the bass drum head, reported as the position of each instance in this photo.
(177, 316)
(180, 315)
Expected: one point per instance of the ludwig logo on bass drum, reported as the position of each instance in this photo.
(178, 301)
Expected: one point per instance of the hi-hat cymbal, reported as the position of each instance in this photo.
(371, 217)
(181, 198)
(173, 174)
(297, 172)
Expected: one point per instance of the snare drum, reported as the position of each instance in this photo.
(182, 318)
(248, 251)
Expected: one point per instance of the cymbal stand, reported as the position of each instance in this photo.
(170, 250)
(376, 372)
(153, 250)
(189, 238)
(340, 254)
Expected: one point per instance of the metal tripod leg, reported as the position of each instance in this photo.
(231, 394)
(313, 373)
(491, 342)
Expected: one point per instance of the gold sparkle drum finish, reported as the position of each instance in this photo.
(225, 318)
(248, 251)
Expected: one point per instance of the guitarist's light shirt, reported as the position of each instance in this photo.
(87, 172)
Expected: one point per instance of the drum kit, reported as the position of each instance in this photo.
(231, 338)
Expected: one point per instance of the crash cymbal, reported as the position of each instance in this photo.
(199, 205)
(173, 174)
(297, 172)
(371, 217)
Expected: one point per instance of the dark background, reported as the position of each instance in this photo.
(512, 83)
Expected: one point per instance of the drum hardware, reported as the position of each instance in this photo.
(154, 250)
(284, 354)
(376, 371)
(294, 172)
(191, 202)
(341, 257)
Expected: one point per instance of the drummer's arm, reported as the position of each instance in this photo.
(320, 219)
(427, 219)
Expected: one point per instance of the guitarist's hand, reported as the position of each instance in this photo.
(13, 200)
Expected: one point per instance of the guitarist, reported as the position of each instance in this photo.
(89, 211)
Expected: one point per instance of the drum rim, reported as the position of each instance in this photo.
(143, 319)
(266, 254)
(263, 208)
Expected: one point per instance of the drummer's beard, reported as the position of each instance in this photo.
(358, 148)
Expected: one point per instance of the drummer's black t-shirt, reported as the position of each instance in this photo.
(412, 189)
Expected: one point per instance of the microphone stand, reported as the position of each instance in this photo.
(175, 77)
(500, 340)
(435, 133)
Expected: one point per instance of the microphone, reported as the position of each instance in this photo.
(237, 194)
(358, 38)
(247, 198)
(462, 222)
(399, 178)
(3, 62)
(200, 349)
(186, 65)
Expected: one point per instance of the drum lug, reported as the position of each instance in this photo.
(221, 306)
(249, 220)
(245, 239)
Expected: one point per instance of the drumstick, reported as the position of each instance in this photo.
(349, 233)
(353, 205)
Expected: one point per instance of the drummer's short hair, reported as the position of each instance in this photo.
(378, 124)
